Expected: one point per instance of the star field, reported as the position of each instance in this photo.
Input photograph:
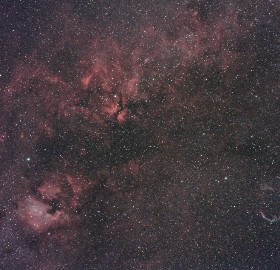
(139, 135)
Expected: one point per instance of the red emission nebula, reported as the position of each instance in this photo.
(137, 137)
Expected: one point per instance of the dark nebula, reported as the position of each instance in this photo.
(139, 135)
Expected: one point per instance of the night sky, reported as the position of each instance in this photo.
(139, 135)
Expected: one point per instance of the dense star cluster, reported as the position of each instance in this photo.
(139, 135)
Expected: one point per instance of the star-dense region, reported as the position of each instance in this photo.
(139, 135)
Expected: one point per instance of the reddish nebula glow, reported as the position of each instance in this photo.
(125, 136)
(35, 214)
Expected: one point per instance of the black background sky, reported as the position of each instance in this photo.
(139, 135)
